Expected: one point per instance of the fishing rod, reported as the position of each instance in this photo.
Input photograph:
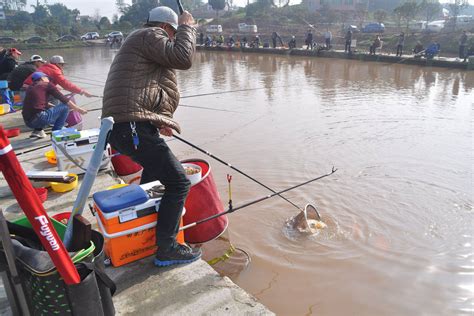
(231, 91)
(183, 105)
(33, 149)
(256, 201)
(87, 79)
(238, 170)
(180, 7)
(205, 94)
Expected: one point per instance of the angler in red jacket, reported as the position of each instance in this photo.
(54, 71)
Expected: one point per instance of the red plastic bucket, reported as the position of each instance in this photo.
(42, 194)
(203, 201)
(13, 132)
(62, 217)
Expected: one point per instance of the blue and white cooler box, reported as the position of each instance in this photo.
(74, 149)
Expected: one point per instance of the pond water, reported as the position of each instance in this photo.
(399, 208)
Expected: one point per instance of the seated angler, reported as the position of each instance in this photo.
(375, 44)
(38, 113)
(419, 49)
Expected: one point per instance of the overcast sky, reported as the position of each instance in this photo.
(108, 8)
(88, 7)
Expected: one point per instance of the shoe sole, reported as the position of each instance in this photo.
(167, 263)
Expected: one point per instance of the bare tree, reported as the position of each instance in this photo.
(380, 15)
(456, 8)
(96, 16)
(407, 11)
(361, 12)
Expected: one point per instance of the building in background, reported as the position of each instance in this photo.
(14, 5)
(337, 5)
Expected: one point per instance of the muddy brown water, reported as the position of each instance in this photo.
(399, 209)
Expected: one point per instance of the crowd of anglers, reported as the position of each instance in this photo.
(36, 81)
(419, 50)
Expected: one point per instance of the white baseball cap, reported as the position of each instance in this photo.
(35, 58)
(57, 60)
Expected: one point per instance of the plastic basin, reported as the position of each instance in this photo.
(65, 187)
(62, 217)
(51, 157)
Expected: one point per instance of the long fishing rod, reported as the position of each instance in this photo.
(207, 94)
(238, 170)
(32, 149)
(87, 79)
(183, 105)
(256, 201)
(230, 91)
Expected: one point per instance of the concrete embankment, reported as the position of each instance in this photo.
(142, 288)
(445, 62)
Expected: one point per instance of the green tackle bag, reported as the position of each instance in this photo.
(45, 290)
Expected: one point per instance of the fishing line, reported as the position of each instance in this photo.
(238, 170)
(256, 201)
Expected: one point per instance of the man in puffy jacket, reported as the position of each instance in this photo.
(20, 73)
(54, 71)
(141, 94)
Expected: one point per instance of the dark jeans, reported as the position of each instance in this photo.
(55, 115)
(158, 163)
(461, 51)
(347, 48)
(399, 50)
(328, 43)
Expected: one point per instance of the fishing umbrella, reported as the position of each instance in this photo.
(34, 211)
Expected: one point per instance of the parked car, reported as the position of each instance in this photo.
(418, 26)
(435, 26)
(353, 28)
(246, 28)
(67, 38)
(7, 40)
(90, 36)
(374, 28)
(115, 33)
(214, 28)
(462, 22)
(35, 39)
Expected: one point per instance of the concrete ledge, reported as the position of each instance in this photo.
(408, 59)
(193, 289)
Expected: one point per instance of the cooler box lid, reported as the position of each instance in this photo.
(71, 135)
(117, 199)
(66, 134)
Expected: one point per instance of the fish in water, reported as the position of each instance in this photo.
(308, 220)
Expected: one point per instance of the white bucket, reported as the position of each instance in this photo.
(193, 172)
